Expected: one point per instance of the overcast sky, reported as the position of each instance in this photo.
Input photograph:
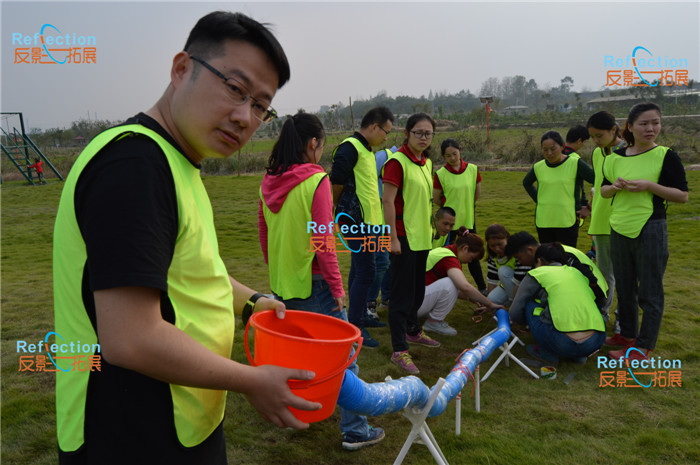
(337, 50)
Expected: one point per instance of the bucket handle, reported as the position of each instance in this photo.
(297, 383)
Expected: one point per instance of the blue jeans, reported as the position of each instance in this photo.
(382, 278)
(322, 301)
(359, 281)
(558, 343)
(639, 265)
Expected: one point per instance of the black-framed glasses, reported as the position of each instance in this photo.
(239, 94)
(423, 135)
(385, 131)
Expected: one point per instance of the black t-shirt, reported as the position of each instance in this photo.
(672, 175)
(126, 208)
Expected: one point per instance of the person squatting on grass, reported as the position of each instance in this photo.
(137, 265)
(555, 194)
(605, 133)
(356, 194)
(408, 188)
(502, 268)
(560, 304)
(458, 185)
(641, 178)
(523, 246)
(445, 282)
(295, 190)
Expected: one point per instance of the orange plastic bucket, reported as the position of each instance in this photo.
(309, 341)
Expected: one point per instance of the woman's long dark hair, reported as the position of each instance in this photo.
(290, 147)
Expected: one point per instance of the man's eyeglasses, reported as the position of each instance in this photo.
(423, 135)
(385, 131)
(239, 94)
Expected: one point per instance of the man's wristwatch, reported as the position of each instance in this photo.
(248, 308)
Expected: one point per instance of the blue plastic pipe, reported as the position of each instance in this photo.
(395, 395)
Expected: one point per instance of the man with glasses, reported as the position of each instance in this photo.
(356, 196)
(137, 266)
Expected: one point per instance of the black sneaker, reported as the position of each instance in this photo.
(354, 442)
(368, 341)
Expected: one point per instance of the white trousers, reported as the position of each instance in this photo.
(440, 298)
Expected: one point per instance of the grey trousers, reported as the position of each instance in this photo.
(639, 265)
(604, 263)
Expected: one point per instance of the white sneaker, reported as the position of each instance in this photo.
(440, 327)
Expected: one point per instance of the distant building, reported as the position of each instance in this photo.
(602, 102)
(516, 110)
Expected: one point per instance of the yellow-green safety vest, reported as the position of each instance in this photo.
(631, 210)
(290, 265)
(367, 183)
(459, 191)
(570, 298)
(417, 197)
(198, 287)
(441, 241)
(556, 205)
(600, 207)
(435, 255)
(586, 260)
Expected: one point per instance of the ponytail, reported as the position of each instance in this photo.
(600, 297)
(290, 147)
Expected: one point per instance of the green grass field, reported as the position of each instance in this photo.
(522, 420)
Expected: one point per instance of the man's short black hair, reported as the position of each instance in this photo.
(442, 210)
(518, 241)
(576, 133)
(213, 30)
(378, 115)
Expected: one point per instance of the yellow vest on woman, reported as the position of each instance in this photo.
(556, 204)
(631, 210)
(570, 298)
(289, 253)
(459, 191)
(417, 201)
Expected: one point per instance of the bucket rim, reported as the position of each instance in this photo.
(331, 319)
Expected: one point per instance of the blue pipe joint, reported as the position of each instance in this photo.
(381, 398)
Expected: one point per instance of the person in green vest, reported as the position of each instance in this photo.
(407, 200)
(641, 179)
(561, 305)
(294, 194)
(458, 185)
(523, 246)
(445, 282)
(576, 138)
(442, 225)
(356, 199)
(605, 133)
(137, 268)
(555, 195)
